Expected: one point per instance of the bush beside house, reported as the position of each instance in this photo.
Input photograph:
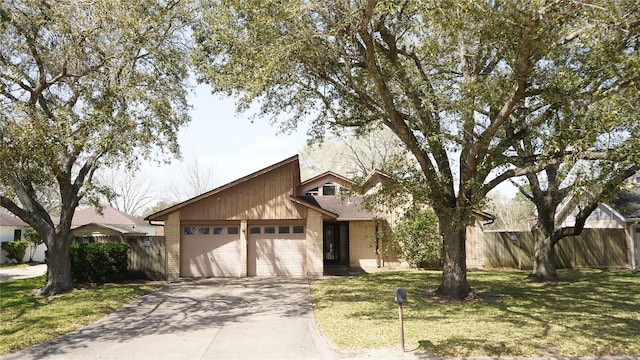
(99, 262)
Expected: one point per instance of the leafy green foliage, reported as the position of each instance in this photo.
(460, 83)
(34, 238)
(416, 238)
(99, 262)
(85, 85)
(15, 249)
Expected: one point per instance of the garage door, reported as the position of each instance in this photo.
(210, 251)
(276, 250)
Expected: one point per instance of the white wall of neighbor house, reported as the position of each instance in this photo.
(8, 233)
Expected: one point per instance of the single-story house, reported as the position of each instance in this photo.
(270, 223)
(13, 228)
(88, 221)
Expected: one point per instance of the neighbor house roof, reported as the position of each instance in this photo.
(122, 229)
(628, 203)
(7, 219)
(160, 214)
(110, 215)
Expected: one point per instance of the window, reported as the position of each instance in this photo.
(254, 230)
(298, 229)
(218, 230)
(283, 229)
(312, 192)
(269, 229)
(189, 230)
(232, 230)
(17, 234)
(203, 231)
(328, 189)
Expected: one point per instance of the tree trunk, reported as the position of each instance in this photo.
(544, 268)
(454, 283)
(58, 265)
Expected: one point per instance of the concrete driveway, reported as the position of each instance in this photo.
(22, 272)
(205, 319)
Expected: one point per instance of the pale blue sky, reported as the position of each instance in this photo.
(230, 145)
(226, 142)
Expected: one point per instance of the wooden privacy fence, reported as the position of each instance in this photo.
(146, 253)
(595, 248)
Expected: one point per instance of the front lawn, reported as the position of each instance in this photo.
(589, 313)
(26, 320)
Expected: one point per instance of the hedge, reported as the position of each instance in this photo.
(99, 262)
(15, 249)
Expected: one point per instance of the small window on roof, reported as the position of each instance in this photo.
(203, 231)
(232, 230)
(218, 230)
(269, 229)
(298, 229)
(254, 230)
(329, 189)
(283, 229)
(189, 230)
(312, 192)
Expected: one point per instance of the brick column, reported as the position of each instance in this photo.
(172, 233)
(314, 235)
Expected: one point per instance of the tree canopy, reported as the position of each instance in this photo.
(458, 82)
(84, 85)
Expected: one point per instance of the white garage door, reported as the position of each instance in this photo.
(276, 250)
(210, 251)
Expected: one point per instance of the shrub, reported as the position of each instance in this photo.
(15, 249)
(417, 239)
(32, 236)
(99, 262)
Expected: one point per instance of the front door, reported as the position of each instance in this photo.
(336, 244)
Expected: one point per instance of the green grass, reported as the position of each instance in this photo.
(589, 313)
(27, 320)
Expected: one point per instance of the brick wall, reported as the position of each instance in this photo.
(172, 233)
(362, 251)
(314, 243)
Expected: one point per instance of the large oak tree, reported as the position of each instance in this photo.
(84, 85)
(459, 82)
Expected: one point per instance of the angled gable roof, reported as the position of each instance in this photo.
(110, 215)
(121, 229)
(161, 215)
(377, 176)
(327, 174)
(8, 219)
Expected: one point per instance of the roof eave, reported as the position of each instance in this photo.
(161, 215)
(313, 207)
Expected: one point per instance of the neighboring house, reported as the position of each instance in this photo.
(110, 222)
(13, 228)
(623, 213)
(270, 223)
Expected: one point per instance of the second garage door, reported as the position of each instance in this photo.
(276, 250)
(210, 251)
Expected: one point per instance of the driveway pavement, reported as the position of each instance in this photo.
(22, 272)
(206, 319)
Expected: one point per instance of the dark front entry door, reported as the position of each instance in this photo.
(336, 244)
